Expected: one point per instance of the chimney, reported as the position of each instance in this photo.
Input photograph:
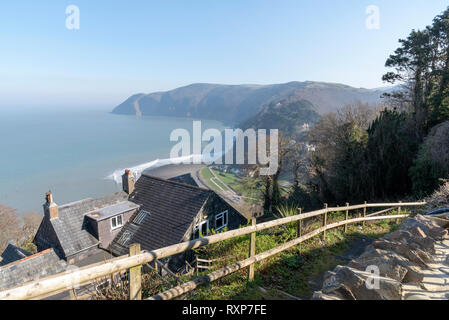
(128, 182)
(50, 208)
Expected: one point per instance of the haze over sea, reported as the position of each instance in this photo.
(74, 152)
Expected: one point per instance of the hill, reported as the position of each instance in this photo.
(236, 103)
(293, 117)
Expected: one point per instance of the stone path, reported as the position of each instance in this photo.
(435, 285)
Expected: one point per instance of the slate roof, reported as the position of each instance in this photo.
(13, 253)
(34, 267)
(112, 210)
(71, 226)
(172, 207)
(186, 179)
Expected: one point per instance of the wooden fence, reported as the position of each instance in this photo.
(136, 259)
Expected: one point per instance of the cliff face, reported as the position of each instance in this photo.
(237, 103)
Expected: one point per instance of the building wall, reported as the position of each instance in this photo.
(46, 238)
(216, 205)
(106, 234)
(211, 208)
(79, 256)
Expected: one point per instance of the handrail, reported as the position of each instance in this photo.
(191, 285)
(70, 279)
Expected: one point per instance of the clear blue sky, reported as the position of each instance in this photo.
(125, 47)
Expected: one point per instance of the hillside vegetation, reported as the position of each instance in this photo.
(396, 151)
(290, 116)
(295, 271)
(239, 102)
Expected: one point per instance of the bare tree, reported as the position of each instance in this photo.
(336, 138)
(30, 224)
(271, 190)
(9, 226)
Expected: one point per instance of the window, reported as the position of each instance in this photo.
(141, 216)
(221, 220)
(124, 239)
(201, 230)
(116, 222)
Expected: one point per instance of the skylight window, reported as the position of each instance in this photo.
(141, 217)
(124, 239)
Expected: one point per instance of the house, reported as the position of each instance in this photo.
(172, 212)
(12, 254)
(78, 230)
(30, 268)
(152, 211)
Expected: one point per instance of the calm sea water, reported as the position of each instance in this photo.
(73, 153)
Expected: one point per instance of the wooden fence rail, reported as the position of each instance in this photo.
(191, 285)
(84, 275)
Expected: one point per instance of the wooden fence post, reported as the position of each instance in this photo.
(298, 225)
(196, 266)
(135, 275)
(299, 228)
(346, 216)
(325, 221)
(252, 251)
(73, 294)
(399, 212)
(364, 213)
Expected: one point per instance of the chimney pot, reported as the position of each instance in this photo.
(128, 182)
(51, 210)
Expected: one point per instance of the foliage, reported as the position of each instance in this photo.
(286, 210)
(422, 60)
(16, 230)
(339, 139)
(432, 163)
(117, 287)
(403, 150)
(391, 147)
(285, 114)
(9, 227)
(292, 271)
(440, 197)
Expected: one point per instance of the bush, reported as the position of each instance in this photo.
(390, 150)
(439, 198)
(432, 162)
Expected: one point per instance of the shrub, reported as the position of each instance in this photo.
(439, 198)
(432, 162)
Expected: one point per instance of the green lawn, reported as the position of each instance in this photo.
(207, 177)
(238, 185)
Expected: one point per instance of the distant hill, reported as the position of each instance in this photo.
(293, 118)
(239, 102)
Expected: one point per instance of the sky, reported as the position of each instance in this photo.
(127, 47)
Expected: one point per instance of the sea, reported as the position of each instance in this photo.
(78, 153)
